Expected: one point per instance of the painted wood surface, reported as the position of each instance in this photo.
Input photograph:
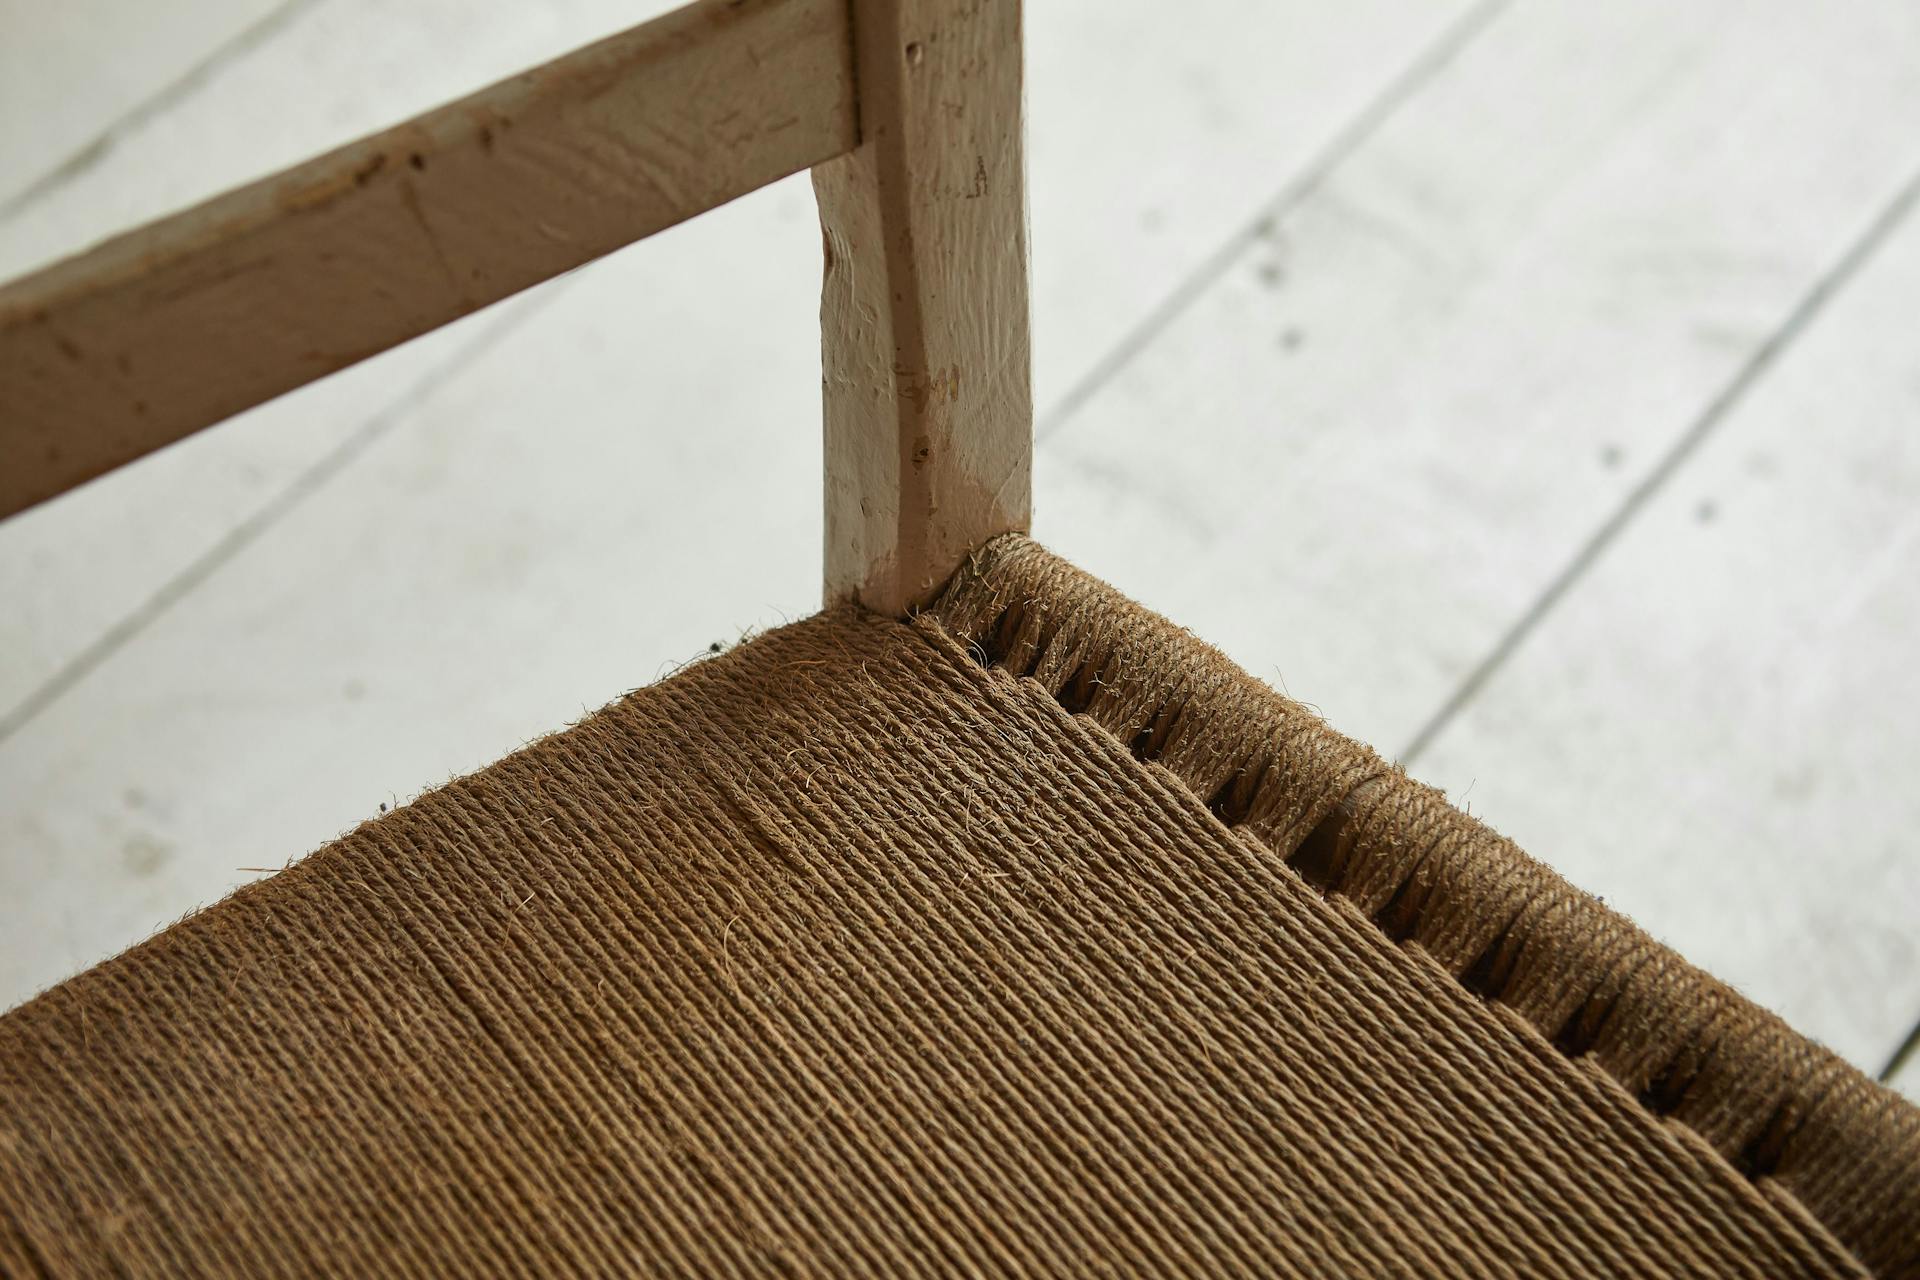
(67, 96)
(1714, 731)
(167, 329)
(924, 319)
(1363, 456)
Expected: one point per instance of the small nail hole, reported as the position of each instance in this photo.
(915, 54)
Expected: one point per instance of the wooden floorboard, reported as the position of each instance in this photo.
(69, 97)
(1366, 452)
(1715, 730)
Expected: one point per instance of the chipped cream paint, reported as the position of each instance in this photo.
(157, 333)
(924, 314)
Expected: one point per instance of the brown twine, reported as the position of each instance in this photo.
(1028, 938)
(1782, 1110)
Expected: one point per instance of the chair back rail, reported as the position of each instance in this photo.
(172, 327)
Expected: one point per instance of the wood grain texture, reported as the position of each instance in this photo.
(153, 335)
(1367, 450)
(66, 94)
(924, 311)
(1715, 730)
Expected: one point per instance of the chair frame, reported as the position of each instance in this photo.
(908, 112)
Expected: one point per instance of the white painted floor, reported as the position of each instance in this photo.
(1533, 385)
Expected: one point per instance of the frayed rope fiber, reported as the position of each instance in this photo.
(1029, 937)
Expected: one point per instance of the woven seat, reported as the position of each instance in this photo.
(1028, 936)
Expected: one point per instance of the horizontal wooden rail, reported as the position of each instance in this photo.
(150, 336)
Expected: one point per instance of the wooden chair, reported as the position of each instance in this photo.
(983, 923)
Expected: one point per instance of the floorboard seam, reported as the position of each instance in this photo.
(96, 148)
(308, 482)
(1751, 372)
(1430, 60)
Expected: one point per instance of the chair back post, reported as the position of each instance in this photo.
(924, 312)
